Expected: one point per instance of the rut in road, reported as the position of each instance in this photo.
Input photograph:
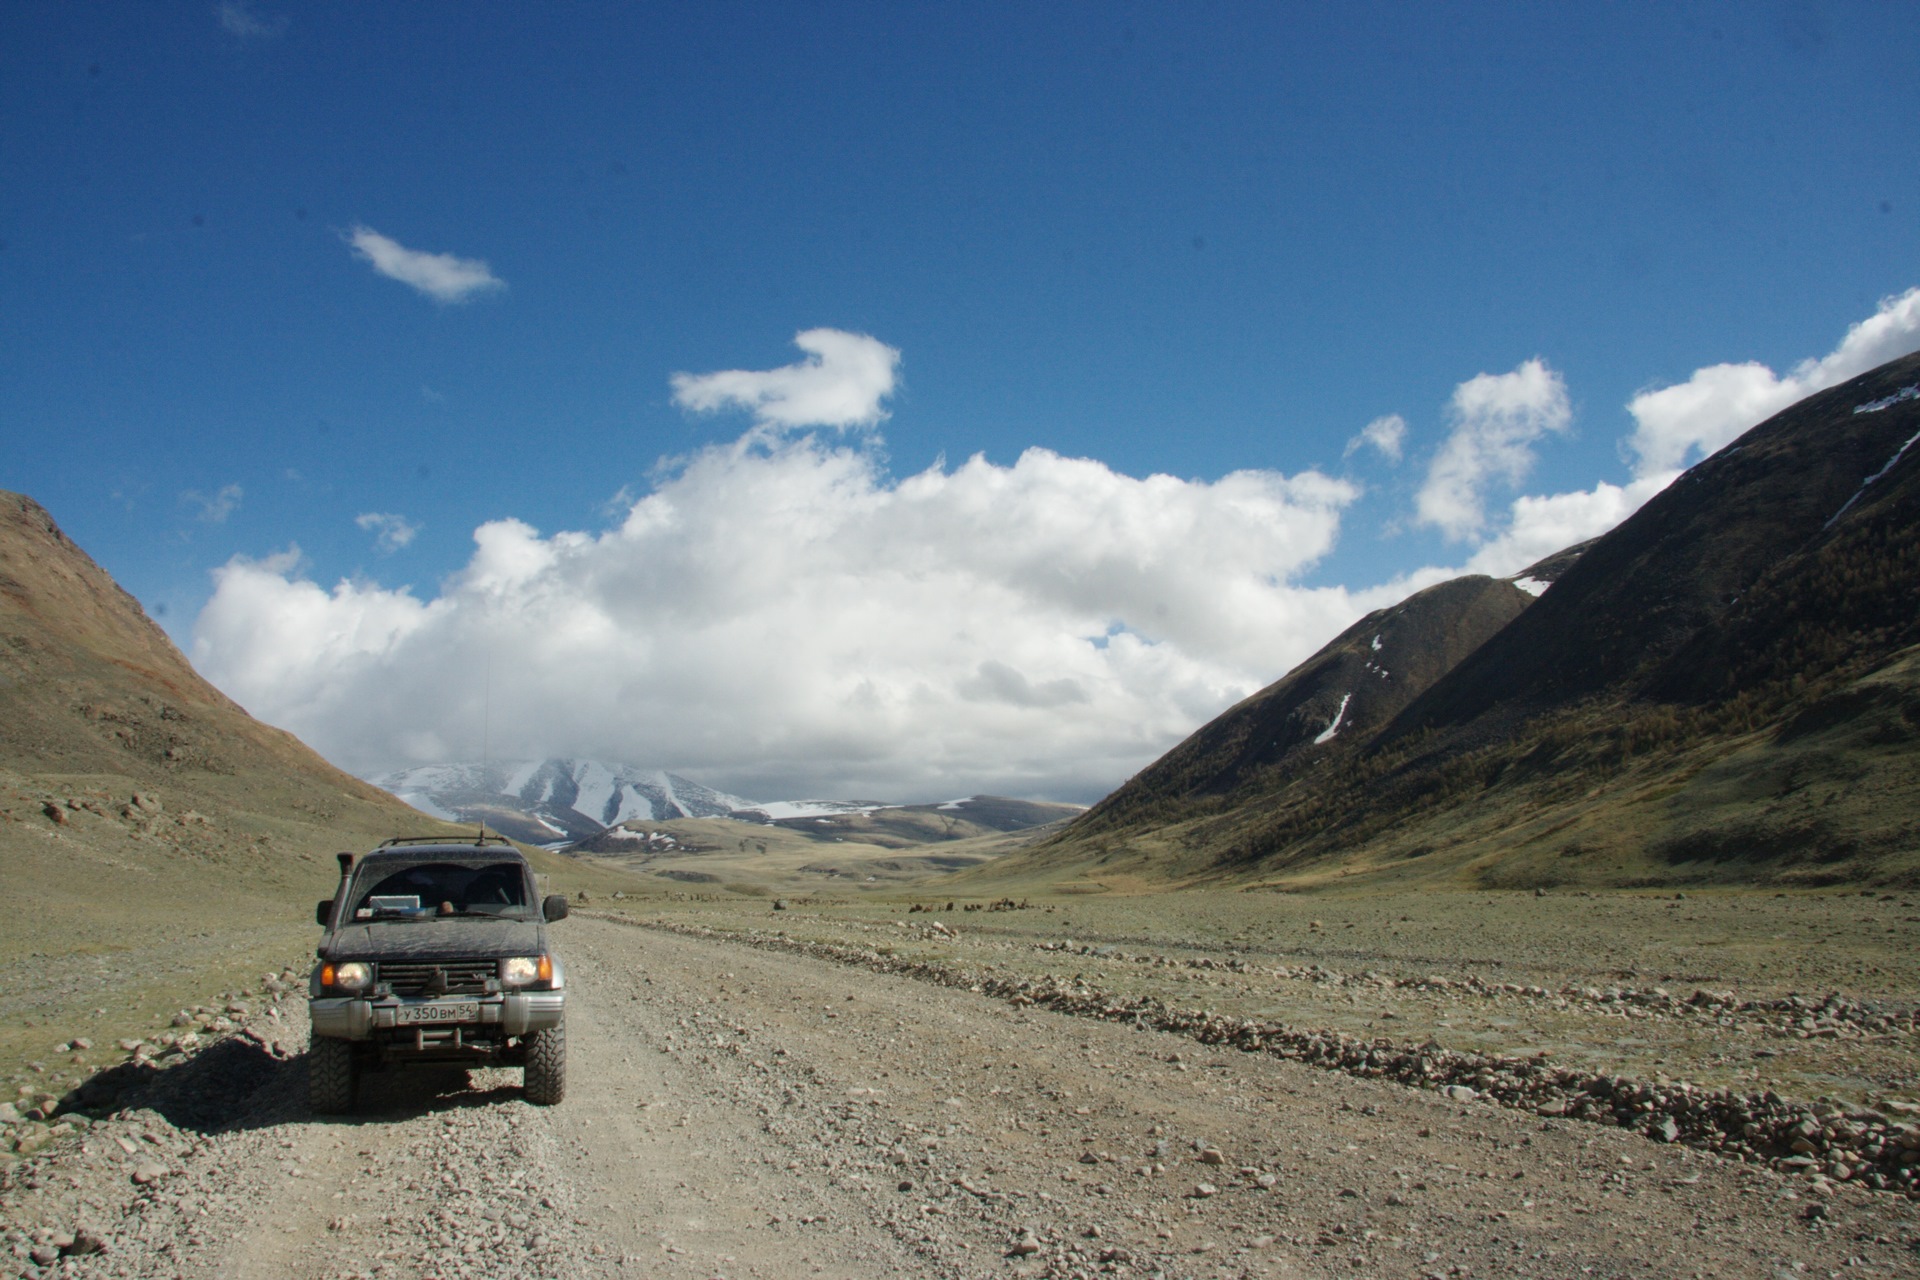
(734, 1112)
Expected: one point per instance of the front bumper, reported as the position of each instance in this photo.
(514, 1013)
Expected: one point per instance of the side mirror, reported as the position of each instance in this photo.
(323, 914)
(555, 906)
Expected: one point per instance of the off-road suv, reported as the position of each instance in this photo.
(435, 953)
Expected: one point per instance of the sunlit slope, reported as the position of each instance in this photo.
(1721, 689)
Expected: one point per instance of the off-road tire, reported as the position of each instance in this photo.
(331, 1075)
(546, 1074)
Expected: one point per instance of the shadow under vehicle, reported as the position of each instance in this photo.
(435, 954)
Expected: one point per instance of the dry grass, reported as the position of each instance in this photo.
(1757, 945)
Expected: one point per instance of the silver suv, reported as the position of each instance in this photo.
(435, 953)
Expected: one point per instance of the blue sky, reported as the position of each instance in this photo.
(1189, 240)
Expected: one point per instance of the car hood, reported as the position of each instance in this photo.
(466, 939)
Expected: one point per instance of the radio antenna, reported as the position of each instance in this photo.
(486, 714)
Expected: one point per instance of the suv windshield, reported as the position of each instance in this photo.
(427, 890)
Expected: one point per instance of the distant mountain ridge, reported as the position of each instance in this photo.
(586, 804)
(1725, 687)
(554, 800)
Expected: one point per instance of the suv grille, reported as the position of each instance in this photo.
(447, 977)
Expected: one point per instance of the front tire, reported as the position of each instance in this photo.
(546, 1073)
(331, 1075)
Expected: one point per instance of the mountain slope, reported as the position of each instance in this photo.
(90, 687)
(1723, 687)
(1320, 710)
(1674, 572)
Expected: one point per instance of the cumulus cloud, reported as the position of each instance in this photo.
(1539, 525)
(1386, 436)
(239, 19)
(780, 616)
(842, 383)
(1678, 425)
(391, 532)
(1496, 418)
(440, 276)
(215, 508)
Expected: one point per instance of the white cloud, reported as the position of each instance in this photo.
(1538, 526)
(440, 276)
(1386, 436)
(842, 384)
(1496, 420)
(392, 532)
(215, 508)
(1678, 425)
(780, 617)
(239, 19)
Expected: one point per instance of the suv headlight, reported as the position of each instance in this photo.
(352, 977)
(525, 971)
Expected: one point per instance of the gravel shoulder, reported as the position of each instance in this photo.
(742, 1112)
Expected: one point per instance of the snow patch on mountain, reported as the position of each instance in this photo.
(423, 801)
(1326, 734)
(1848, 505)
(779, 810)
(1875, 406)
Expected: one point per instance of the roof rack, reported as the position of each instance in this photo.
(482, 838)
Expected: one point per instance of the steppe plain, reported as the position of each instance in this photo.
(1436, 966)
(845, 1086)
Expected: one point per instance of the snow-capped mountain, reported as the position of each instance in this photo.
(554, 800)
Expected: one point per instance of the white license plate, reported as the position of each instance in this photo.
(414, 1014)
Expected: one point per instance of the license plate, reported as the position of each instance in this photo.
(410, 1015)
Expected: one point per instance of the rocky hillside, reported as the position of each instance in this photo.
(1723, 688)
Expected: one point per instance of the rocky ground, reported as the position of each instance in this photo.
(739, 1110)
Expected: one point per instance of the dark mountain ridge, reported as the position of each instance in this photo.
(1677, 569)
(1322, 709)
(1723, 687)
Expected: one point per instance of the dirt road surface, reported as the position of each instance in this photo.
(734, 1112)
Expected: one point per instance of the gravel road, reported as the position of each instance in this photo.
(737, 1112)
